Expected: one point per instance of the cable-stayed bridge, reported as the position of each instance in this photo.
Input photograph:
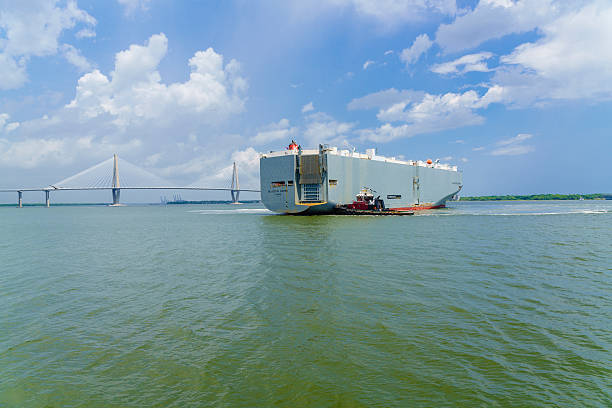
(106, 176)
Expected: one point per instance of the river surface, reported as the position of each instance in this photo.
(481, 304)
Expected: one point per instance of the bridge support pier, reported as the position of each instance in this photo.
(235, 196)
(20, 198)
(116, 196)
(47, 201)
(235, 189)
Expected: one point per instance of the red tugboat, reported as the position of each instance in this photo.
(363, 201)
(366, 204)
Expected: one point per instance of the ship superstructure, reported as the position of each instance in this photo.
(322, 180)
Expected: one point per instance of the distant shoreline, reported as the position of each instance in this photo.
(539, 197)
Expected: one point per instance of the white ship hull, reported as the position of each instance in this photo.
(314, 181)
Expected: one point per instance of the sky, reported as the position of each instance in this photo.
(516, 93)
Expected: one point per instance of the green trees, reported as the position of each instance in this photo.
(597, 196)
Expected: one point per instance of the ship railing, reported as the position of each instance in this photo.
(348, 153)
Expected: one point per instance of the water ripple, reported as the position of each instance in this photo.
(155, 306)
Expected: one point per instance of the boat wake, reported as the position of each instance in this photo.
(515, 214)
(234, 211)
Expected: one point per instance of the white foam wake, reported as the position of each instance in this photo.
(515, 214)
(234, 211)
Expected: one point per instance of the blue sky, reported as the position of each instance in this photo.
(516, 93)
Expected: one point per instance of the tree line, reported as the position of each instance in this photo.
(597, 196)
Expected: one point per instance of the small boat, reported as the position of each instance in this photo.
(366, 204)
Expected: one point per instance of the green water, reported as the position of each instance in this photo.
(482, 304)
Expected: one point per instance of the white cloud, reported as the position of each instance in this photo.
(12, 126)
(432, 113)
(467, 63)
(392, 12)
(388, 52)
(200, 165)
(138, 63)
(492, 19)
(521, 137)
(217, 172)
(135, 92)
(153, 159)
(12, 72)
(32, 29)
(85, 33)
(513, 146)
(420, 45)
(308, 107)
(464, 159)
(393, 113)
(367, 64)
(513, 150)
(133, 5)
(275, 131)
(74, 57)
(423, 112)
(4, 117)
(435, 106)
(119, 112)
(384, 99)
(479, 148)
(30, 153)
(5, 125)
(322, 128)
(572, 60)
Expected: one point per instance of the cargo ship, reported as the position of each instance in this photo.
(329, 180)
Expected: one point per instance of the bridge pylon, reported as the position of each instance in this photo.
(235, 189)
(116, 190)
